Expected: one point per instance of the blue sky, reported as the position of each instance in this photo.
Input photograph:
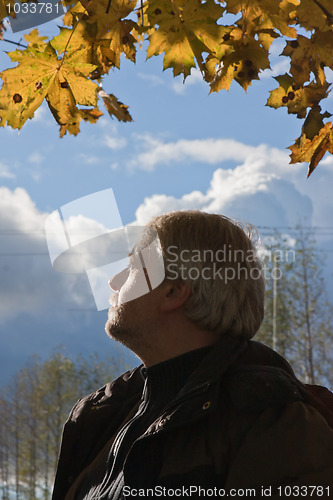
(223, 153)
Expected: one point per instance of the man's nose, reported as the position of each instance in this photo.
(117, 281)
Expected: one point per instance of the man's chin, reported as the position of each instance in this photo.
(115, 331)
(110, 328)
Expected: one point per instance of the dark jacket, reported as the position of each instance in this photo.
(241, 421)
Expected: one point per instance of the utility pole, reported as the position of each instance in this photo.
(274, 340)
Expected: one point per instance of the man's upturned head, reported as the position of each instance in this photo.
(215, 257)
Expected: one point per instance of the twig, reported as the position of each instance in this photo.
(327, 14)
(108, 7)
(15, 43)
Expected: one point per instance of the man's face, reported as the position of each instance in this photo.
(130, 320)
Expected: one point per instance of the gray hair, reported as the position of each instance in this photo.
(221, 268)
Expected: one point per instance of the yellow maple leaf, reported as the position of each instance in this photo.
(255, 12)
(41, 74)
(72, 39)
(103, 55)
(25, 86)
(74, 14)
(310, 55)
(266, 36)
(73, 127)
(314, 122)
(184, 31)
(96, 52)
(310, 15)
(223, 74)
(35, 40)
(243, 64)
(306, 150)
(296, 99)
(109, 17)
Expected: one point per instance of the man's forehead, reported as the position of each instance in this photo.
(142, 238)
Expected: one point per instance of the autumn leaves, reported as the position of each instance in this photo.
(227, 40)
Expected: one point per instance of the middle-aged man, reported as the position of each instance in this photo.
(210, 412)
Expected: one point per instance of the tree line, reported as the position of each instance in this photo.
(33, 409)
(298, 319)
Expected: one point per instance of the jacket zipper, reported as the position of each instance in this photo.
(123, 431)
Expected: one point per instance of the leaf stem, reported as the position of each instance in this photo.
(69, 39)
(141, 8)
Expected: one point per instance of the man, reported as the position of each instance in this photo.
(210, 412)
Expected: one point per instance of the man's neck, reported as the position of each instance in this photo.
(171, 344)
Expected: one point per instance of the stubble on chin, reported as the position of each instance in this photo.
(114, 326)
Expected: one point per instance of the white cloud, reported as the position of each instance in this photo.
(328, 160)
(212, 151)
(103, 122)
(279, 67)
(89, 159)
(195, 78)
(154, 80)
(177, 85)
(28, 283)
(248, 192)
(42, 115)
(114, 142)
(5, 171)
(262, 187)
(36, 158)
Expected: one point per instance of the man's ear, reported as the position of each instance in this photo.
(175, 294)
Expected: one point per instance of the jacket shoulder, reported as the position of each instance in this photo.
(129, 383)
(261, 378)
(91, 422)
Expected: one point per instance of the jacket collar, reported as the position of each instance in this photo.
(130, 385)
(215, 363)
